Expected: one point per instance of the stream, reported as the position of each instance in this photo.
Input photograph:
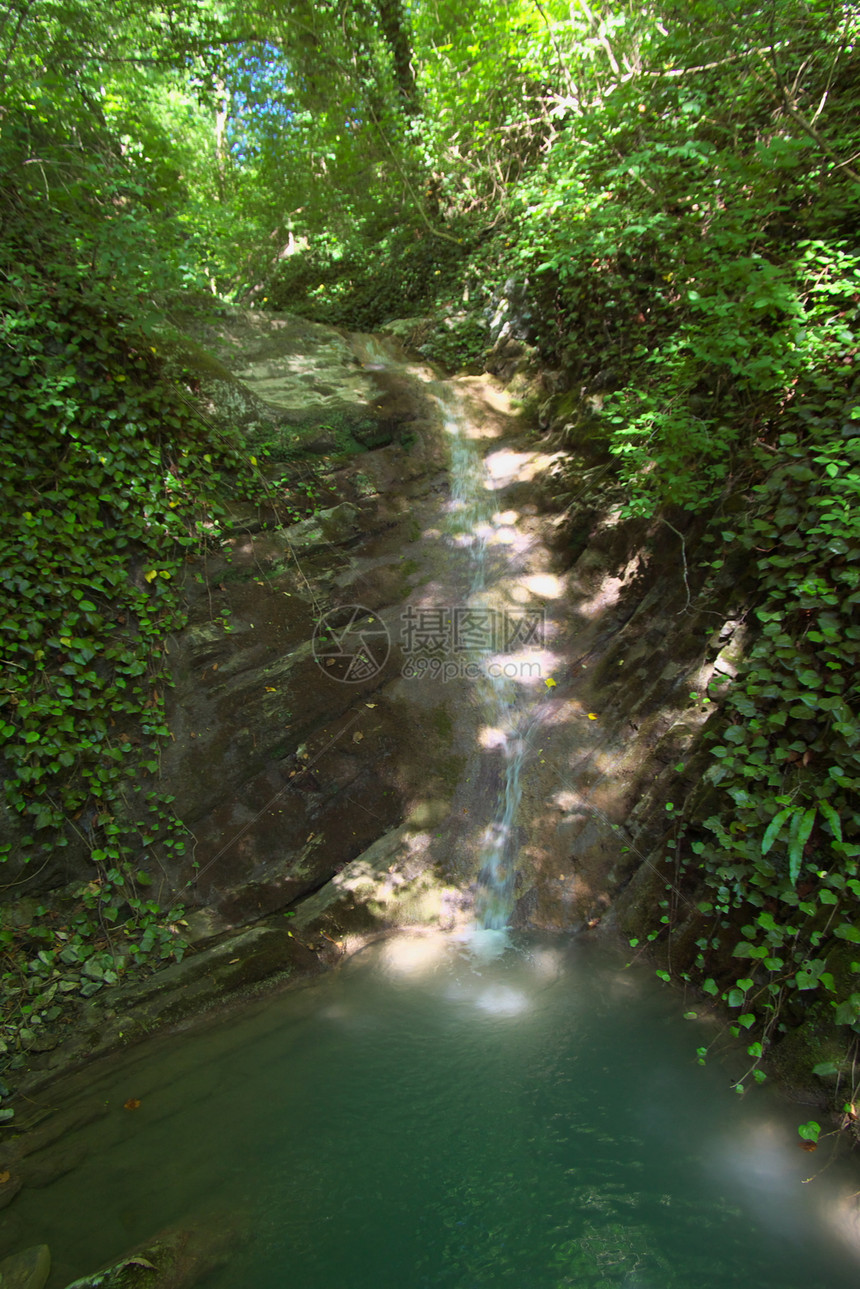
(480, 1107)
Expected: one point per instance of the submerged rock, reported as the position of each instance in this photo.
(27, 1270)
(177, 1257)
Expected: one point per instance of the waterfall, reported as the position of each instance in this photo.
(472, 527)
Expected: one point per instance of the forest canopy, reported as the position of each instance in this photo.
(299, 147)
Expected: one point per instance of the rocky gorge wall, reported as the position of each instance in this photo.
(322, 810)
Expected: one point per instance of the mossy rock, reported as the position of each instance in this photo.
(816, 1042)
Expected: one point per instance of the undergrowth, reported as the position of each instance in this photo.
(110, 481)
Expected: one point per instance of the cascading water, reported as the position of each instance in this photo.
(473, 527)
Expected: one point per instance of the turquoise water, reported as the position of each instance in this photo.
(437, 1114)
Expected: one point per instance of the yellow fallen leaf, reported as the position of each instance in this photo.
(4, 1177)
(270, 689)
(549, 682)
(133, 1103)
(370, 705)
(151, 575)
(357, 736)
(592, 716)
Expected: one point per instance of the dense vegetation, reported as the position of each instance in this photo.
(675, 193)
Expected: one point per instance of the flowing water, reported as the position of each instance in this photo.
(486, 1110)
(455, 1113)
(504, 704)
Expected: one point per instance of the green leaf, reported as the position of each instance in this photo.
(832, 817)
(772, 830)
(799, 835)
(848, 1012)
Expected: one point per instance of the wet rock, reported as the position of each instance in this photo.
(27, 1270)
(389, 885)
(10, 1185)
(42, 1131)
(46, 1166)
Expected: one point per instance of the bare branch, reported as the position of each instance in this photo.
(797, 116)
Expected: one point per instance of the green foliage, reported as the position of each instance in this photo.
(409, 275)
(109, 483)
(76, 946)
(785, 844)
(692, 244)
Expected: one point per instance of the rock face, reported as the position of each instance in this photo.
(283, 772)
(331, 790)
(307, 794)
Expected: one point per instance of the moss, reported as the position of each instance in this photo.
(816, 1042)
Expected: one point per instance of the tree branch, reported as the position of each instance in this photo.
(808, 128)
